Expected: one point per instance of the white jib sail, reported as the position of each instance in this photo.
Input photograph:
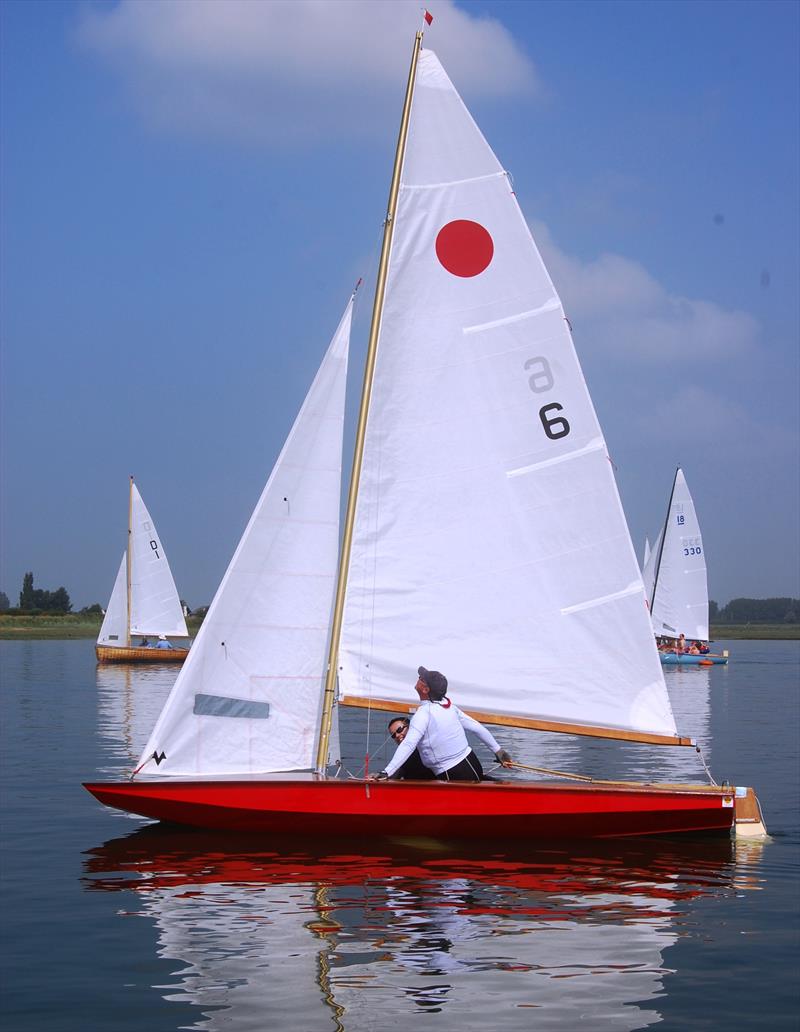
(680, 599)
(248, 698)
(114, 629)
(155, 606)
(490, 541)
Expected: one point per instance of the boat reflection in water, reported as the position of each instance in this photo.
(292, 936)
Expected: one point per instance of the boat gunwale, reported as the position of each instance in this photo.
(315, 781)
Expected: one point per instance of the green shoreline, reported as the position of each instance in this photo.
(64, 628)
(59, 628)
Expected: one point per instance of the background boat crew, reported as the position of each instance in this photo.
(413, 769)
(163, 643)
(438, 729)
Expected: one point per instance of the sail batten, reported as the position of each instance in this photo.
(632, 589)
(597, 445)
(406, 187)
(549, 306)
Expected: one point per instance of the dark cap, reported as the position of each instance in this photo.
(436, 682)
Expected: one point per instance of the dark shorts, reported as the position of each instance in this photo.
(469, 769)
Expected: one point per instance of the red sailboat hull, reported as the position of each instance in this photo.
(506, 810)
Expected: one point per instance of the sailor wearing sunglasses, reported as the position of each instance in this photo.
(437, 729)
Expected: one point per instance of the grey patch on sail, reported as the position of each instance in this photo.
(632, 589)
(113, 637)
(596, 444)
(223, 706)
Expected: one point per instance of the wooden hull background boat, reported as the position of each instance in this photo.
(123, 654)
(492, 811)
(144, 602)
(682, 659)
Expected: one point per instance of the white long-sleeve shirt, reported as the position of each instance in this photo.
(437, 729)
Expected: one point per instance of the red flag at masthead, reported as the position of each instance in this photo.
(428, 17)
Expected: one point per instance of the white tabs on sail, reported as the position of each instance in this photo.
(155, 606)
(114, 629)
(680, 599)
(248, 698)
(489, 538)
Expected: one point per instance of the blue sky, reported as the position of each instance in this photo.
(190, 190)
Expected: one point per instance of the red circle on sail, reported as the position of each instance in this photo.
(464, 248)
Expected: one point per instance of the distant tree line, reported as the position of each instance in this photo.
(37, 599)
(756, 610)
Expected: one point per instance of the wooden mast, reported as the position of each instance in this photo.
(366, 391)
(128, 563)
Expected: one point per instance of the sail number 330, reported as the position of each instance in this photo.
(539, 381)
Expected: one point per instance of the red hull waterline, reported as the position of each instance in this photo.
(539, 811)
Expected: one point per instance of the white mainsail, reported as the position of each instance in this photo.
(114, 629)
(248, 698)
(489, 537)
(155, 606)
(680, 593)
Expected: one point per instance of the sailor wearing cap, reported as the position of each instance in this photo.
(437, 729)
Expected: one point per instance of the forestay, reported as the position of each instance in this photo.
(155, 606)
(680, 594)
(489, 538)
(114, 629)
(248, 698)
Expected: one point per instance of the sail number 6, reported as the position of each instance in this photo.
(541, 380)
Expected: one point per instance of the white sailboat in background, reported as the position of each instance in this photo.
(484, 535)
(676, 580)
(144, 603)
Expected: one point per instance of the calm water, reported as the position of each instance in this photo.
(113, 924)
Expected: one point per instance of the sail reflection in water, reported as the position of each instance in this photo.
(129, 700)
(311, 940)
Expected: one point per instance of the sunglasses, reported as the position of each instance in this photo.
(398, 731)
